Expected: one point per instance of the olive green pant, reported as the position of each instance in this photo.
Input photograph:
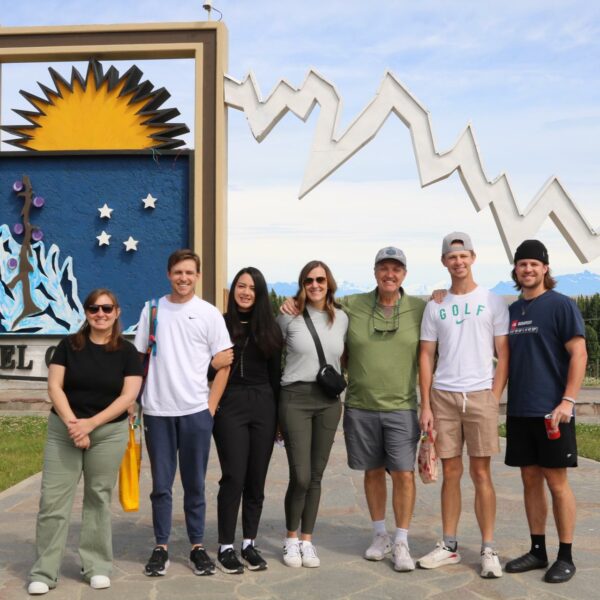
(308, 421)
(63, 466)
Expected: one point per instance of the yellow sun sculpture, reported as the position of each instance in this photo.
(100, 112)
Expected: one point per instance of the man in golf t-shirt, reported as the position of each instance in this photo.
(461, 399)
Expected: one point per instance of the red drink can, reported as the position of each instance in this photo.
(552, 433)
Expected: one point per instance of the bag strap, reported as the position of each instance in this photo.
(315, 337)
(153, 322)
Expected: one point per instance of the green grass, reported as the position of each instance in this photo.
(588, 439)
(22, 442)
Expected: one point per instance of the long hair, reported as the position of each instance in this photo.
(549, 281)
(79, 339)
(330, 303)
(263, 326)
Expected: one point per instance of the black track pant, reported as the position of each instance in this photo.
(244, 433)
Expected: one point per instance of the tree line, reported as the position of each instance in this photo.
(590, 310)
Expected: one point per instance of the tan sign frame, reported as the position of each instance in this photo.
(206, 44)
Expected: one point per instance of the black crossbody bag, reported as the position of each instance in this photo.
(331, 382)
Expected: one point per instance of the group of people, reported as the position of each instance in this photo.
(464, 345)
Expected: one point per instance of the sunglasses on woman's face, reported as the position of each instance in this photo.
(105, 308)
(310, 280)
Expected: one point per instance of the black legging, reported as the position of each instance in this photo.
(244, 431)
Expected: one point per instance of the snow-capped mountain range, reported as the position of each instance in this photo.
(585, 283)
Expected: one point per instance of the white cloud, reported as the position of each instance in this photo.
(524, 72)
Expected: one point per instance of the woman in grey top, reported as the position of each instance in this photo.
(308, 418)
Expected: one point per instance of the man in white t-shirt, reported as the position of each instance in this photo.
(461, 399)
(179, 407)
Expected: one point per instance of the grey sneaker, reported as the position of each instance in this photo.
(401, 557)
(380, 546)
(490, 565)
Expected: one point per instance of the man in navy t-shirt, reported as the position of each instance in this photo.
(547, 366)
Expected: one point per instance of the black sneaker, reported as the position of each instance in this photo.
(200, 562)
(254, 561)
(229, 563)
(158, 563)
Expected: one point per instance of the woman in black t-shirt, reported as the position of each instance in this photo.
(93, 378)
(246, 420)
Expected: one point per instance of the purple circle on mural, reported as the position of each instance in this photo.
(37, 235)
(12, 263)
(38, 202)
(18, 228)
(17, 186)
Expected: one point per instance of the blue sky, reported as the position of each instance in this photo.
(523, 73)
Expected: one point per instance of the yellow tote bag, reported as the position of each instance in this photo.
(129, 474)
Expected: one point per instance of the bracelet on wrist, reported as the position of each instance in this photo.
(569, 399)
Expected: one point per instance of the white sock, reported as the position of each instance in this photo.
(306, 543)
(401, 536)
(291, 541)
(223, 547)
(379, 527)
(247, 542)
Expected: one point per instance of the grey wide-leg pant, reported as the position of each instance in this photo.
(63, 466)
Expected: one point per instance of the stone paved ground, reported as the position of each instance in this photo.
(341, 535)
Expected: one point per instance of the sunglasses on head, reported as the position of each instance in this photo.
(319, 280)
(106, 308)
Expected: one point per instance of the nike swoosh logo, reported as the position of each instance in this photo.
(460, 322)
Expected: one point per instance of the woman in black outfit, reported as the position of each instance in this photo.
(246, 420)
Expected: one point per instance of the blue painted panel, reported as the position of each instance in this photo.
(74, 187)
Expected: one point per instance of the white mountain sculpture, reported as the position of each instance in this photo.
(330, 149)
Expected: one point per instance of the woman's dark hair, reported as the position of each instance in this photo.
(330, 303)
(79, 339)
(263, 326)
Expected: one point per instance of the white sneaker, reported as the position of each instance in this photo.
(490, 565)
(99, 582)
(37, 587)
(439, 557)
(401, 558)
(309, 555)
(292, 557)
(380, 546)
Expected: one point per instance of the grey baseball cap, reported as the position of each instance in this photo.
(462, 241)
(390, 253)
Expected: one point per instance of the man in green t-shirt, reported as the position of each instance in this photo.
(380, 417)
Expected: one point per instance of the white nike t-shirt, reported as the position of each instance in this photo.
(464, 326)
(188, 335)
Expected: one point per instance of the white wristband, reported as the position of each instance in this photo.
(569, 399)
